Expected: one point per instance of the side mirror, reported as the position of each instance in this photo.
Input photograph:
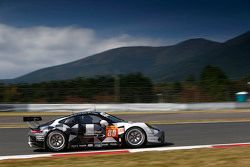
(104, 123)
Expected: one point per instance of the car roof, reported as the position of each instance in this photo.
(87, 112)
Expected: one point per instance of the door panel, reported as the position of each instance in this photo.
(91, 131)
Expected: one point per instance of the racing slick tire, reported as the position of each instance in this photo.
(56, 141)
(135, 137)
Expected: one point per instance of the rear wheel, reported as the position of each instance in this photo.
(135, 137)
(56, 141)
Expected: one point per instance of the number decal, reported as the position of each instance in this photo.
(112, 131)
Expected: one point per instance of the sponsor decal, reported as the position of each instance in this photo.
(90, 145)
(121, 130)
(74, 146)
(98, 145)
(113, 144)
(98, 132)
(39, 138)
(112, 131)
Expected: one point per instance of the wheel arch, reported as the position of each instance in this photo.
(55, 129)
(146, 137)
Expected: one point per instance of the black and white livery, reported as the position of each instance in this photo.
(91, 129)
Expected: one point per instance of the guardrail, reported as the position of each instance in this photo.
(123, 107)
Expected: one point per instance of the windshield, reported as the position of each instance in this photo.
(113, 118)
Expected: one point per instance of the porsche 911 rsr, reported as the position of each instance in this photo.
(91, 129)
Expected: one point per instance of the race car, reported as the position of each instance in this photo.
(90, 129)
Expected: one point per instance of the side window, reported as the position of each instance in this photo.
(90, 119)
(96, 119)
(71, 121)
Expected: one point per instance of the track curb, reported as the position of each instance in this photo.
(123, 151)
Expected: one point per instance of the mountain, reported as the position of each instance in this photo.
(167, 63)
(233, 56)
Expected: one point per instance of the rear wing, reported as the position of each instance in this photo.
(32, 121)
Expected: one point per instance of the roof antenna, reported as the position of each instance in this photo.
(94, 107)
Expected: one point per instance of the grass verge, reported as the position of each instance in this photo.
(229, 157)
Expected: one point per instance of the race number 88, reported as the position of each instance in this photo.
(111, 132)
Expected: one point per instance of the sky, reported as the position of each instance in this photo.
(40, 33)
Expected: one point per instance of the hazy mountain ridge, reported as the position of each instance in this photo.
(160, 63)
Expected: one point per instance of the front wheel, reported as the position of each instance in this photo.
(56, 141)
(135, 137)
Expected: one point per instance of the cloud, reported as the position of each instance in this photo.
(24, 50)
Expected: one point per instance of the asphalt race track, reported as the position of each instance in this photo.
(14, 141)
(151, 117)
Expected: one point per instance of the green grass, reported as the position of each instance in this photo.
(230, 157)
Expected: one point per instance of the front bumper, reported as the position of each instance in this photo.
(156, 138)
(162, 137)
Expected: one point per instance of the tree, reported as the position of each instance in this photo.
(10, 94)
(190, 79)
(2, 89)
(215, 82)
(136, 88)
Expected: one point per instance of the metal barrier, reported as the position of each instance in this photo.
(123, 107)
